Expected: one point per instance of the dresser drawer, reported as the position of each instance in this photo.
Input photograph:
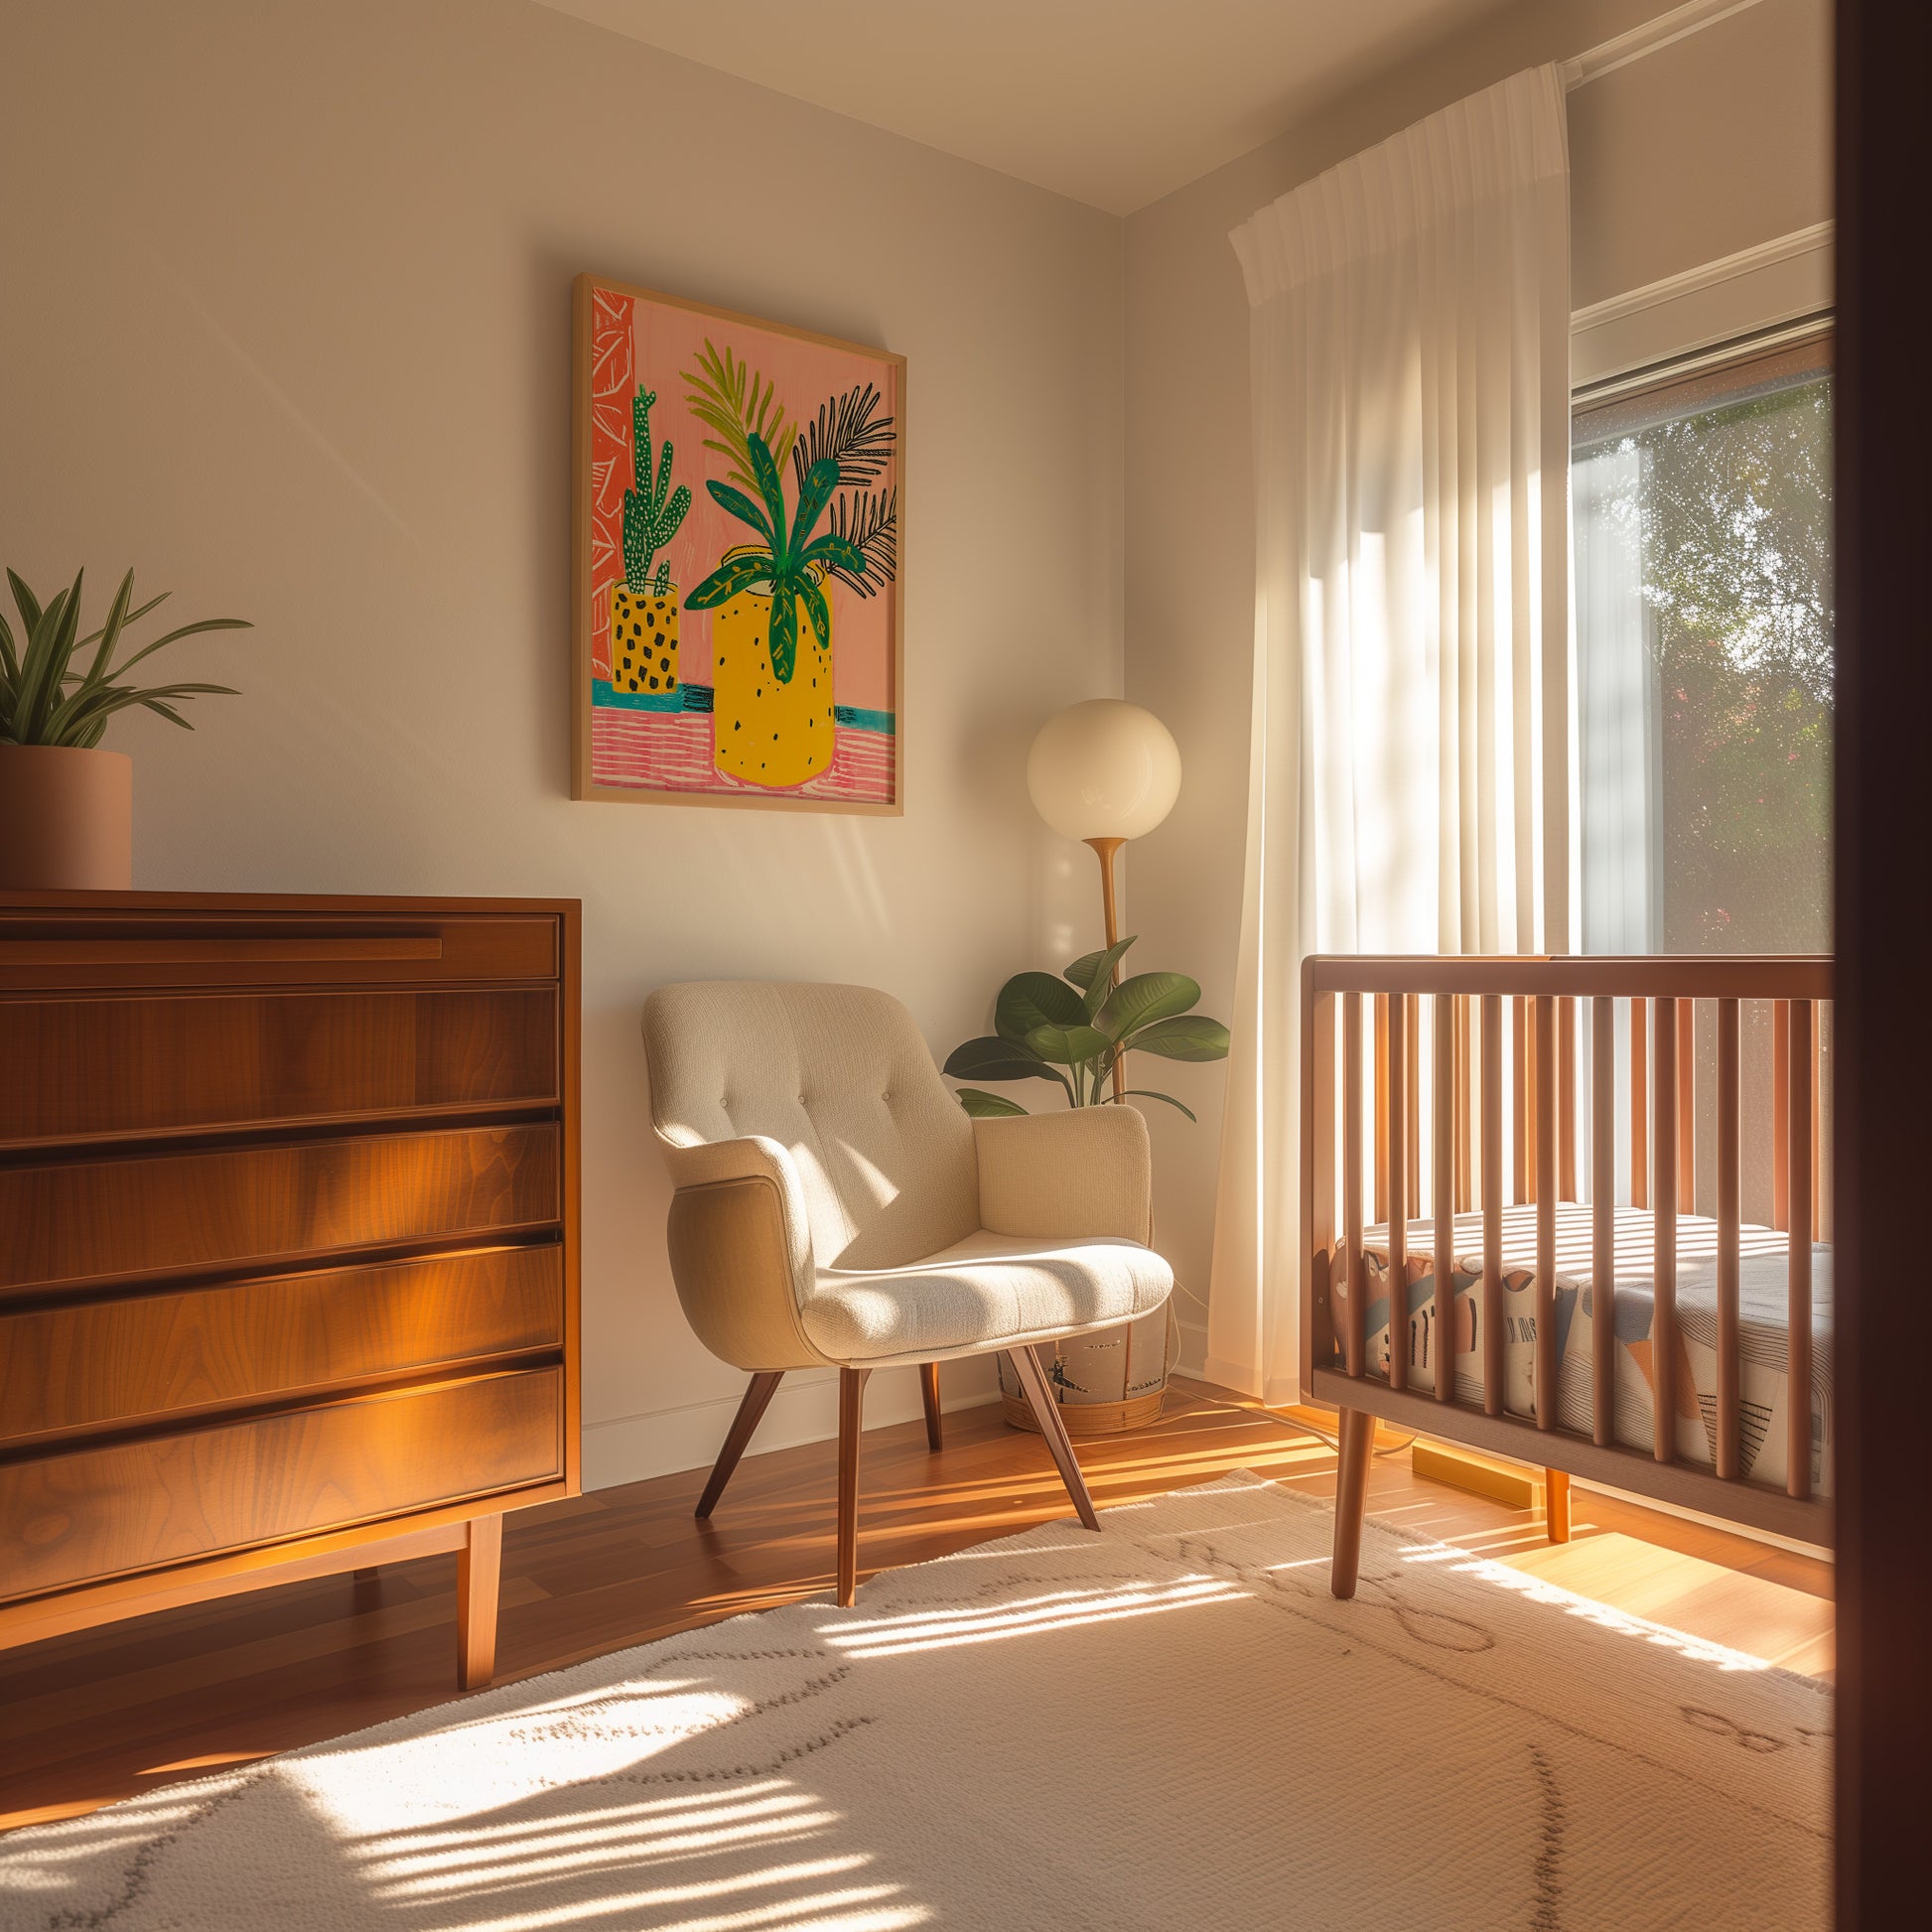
(69, 1518)
(104, 1221)
(154, 948)
(139, 1356)
(105, 1067)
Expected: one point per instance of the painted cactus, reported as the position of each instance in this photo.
(644, 608)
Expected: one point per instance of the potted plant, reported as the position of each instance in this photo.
(66, 807)
(1073, 1030)
(644, 607)
(772, 718)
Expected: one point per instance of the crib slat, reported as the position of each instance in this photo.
(1545, 1067)
(1663, 1192)
(1602, 1219)
(1797, 1400)
(1492, 1204)
(1351, 1176)
(1413, 1002)
(1381, 1090)
(1687, 1138)
(1817, 1135)
(1519, 1113)
(1639, 1104)
(1780, 1113)
(1567, 1098)
(1729, 1215)
(1397, 1024)
(1444, 1178)
(1466, 1184)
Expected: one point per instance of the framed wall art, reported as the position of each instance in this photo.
(737, 515)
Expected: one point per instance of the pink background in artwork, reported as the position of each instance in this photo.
(664, 343)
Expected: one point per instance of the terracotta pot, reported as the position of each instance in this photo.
(66, 818)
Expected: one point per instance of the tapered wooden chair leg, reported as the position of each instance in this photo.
(852, 1389)
(1556, 1504)
(1351, 1499)
(1046, 1412)
(935, 1438)
(757, 1397)
(479, 1570)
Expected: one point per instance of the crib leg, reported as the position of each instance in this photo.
(1556, 1504)
(1351, 1497)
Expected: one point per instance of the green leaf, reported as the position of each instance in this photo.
(783, 637)
(818, 613)
(813, 494)
(1096, 969)
(771, 488)
(1030, 1000)
(43, 671)
(1148, 1093)
(1068, 1045)
(741, 507)
(836, 553)
(993, 1059)
(1145, 998)
(174, 636)
(989, 1106)
(1191, 1037)
(743, 573)
(28, 605)
(110, 631)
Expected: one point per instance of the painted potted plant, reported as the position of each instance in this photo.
(66, 807)
(644, 607)
(772, 719)
(1074, 1030)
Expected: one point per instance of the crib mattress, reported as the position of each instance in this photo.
(1763, 1371)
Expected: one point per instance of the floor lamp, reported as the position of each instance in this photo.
(1104, 772)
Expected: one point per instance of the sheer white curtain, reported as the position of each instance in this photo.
(1412, 760)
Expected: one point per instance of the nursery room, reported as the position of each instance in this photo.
(952, 964)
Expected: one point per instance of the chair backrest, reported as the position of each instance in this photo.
(840, 1076)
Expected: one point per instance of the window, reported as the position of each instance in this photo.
(1702, 502)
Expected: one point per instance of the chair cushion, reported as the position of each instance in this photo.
(988, 1291)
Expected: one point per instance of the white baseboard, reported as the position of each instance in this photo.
(633, 1449)
(1193, 1359)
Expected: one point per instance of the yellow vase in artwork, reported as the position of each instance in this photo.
(765, 731)
(643, 639)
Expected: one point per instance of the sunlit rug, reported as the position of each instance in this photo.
(1171, 1725)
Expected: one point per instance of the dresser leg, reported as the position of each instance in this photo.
(478, 1569)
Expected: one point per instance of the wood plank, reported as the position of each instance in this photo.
(75, 1222)
(68, 1518)
(82, 1068)
(114, 1362)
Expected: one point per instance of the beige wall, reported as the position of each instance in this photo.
(285, 328)
(1706, 147)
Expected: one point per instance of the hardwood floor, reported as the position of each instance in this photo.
(101, 1715)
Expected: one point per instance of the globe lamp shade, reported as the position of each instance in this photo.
(1104, 769)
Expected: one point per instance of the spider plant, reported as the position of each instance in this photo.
(1073, 1030)
(44, 700)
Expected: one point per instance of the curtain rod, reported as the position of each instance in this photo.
(1678, 23)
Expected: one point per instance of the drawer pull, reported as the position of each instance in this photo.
(218, 951)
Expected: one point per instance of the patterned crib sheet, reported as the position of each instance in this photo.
(1763, 1326)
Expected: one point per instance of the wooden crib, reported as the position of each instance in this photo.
(1504, 1153)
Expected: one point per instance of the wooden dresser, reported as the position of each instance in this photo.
(288, 1243)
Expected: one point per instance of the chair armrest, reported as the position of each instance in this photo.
(1058, 1177)
(740, 1248)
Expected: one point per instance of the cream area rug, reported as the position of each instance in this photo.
(1168, 1725)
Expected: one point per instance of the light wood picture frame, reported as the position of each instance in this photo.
(725, 472)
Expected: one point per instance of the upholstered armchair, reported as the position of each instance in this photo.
(835, 1208)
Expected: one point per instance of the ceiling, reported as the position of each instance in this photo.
(1112, 103)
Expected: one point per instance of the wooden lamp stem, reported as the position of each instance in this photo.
(1104, 850)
